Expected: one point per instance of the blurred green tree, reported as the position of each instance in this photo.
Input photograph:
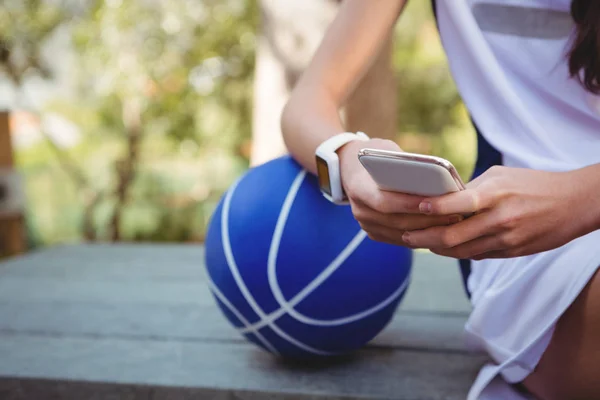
(152, 79)
(163, 99)
(25, 25)
(178, 70)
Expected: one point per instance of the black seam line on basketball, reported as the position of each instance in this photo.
(371, 347)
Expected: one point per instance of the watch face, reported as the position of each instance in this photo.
(323, 174)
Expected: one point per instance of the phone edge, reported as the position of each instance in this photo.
(447, 165)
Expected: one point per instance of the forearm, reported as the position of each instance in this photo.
(350, 46)
(307, 121)
(588, 186)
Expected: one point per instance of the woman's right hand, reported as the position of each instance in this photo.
(383, 215)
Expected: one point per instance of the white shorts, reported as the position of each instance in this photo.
(516, 304)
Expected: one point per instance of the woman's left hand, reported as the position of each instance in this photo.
(517, 212)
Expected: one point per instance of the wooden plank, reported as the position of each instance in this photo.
(161, 291)
(436, 284)
(230, 367)
(117, 262)
(120, 319)
(12, 232)
(191, 322)
(37, 389)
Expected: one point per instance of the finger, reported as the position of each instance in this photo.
(391, 202)
(508, 253)
(475, 182)
(414, 222)
(474, 248)
(492, 254)
(463, 202)
(445, 237)
(405, 222)
(383, 234)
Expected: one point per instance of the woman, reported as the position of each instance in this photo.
(529, 72)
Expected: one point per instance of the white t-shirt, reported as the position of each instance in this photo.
(517, 85)
(509, 61)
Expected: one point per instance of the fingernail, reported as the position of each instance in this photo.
(406, 238)
(455, 219)
(425, 207)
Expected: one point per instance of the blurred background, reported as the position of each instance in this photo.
(128, 119)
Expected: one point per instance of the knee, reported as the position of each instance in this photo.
(570, 365)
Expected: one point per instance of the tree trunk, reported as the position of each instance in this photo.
(290, 32)
(12, 229)
(126, 168)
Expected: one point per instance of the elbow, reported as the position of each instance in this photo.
(285, 123)
(289, 122)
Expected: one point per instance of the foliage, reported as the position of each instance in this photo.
(432, 118)
(156, 84)
(162, 100)
(24, 26)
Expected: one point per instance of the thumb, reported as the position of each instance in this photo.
(463, 202)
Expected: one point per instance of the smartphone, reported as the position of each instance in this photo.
(416, 174)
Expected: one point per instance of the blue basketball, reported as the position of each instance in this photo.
(294, 273)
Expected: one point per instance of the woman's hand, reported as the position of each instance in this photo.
(518, 212)
(384, 216)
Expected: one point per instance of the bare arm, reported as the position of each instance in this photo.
(349, 47)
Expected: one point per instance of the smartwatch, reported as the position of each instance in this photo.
(328, 166)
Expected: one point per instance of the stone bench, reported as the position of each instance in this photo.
(138, 322)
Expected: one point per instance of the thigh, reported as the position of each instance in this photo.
(570, 366)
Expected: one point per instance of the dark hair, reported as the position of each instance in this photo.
(584, 56)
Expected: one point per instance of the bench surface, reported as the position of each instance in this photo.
(138, 322)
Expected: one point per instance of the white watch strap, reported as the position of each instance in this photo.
(362, 135)
(335, 142)
(327, 151)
